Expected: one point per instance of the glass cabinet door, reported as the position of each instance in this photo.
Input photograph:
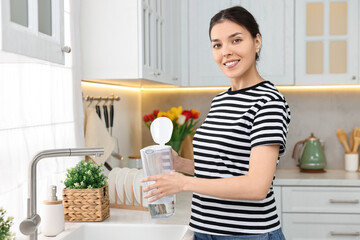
(326, 42)
(33, 28)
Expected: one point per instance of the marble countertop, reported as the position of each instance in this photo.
(336, 178)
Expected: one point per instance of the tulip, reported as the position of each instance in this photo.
(181, 119)
(195, 113)
(146, 118)
(151, 117)
(187, 114)
(161, 114)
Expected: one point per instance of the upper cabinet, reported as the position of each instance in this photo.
(275, 19)
(124, 39)
(167, 41)
(33, 28)
(327, 44)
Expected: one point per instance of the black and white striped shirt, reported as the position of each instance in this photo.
(236, 122)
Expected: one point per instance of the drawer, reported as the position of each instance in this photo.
(321, 226)
(321, 199)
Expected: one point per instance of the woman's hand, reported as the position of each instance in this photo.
(175, 158)
(182, 164)
(165, 185)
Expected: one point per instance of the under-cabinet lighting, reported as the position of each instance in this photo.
(282, 87)
(319, 87)
(222, 88)
(186, 89)
(105, 85)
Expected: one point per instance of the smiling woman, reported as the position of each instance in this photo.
(237, 148)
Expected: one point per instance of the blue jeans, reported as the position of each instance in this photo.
(274, 235)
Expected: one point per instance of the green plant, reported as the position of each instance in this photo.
(85, 175)
(5, 226)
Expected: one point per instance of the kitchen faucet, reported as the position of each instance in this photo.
(30, 224)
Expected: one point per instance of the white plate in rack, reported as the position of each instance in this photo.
(128, 183)
(111, 181)
(136, 186)
(120, 178)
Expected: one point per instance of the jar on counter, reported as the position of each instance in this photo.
(135, 161)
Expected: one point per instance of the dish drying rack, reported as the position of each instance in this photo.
(132, 205)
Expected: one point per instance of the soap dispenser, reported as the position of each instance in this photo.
(52, 222)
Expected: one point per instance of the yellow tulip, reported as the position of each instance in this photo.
(176, 111)
(171, 115)
(161, 114)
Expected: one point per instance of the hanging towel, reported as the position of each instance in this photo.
(96, 135)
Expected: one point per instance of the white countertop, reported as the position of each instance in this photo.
(123, 216)
(336, 178)
(284, 177)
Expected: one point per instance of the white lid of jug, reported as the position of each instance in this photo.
(161, 130)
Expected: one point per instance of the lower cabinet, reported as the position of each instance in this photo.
(321, 226)
(318, 212)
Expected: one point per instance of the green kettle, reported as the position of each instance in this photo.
(310, 155)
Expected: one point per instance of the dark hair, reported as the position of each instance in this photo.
(240, 16)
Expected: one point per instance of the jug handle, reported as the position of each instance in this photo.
(295, 147)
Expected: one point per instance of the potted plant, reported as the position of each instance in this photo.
(5, 226)
(86, 196)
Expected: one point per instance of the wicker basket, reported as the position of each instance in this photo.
(86, 205)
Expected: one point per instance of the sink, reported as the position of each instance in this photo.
(129, 231)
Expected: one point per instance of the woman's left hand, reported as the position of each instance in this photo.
(165, 185)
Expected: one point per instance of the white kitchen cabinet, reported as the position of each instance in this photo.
(327, 42)
(321, 226)
(275, 19)
(126, 40)
(32, 28)
(310, 212)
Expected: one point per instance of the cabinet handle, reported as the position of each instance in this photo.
(66, 49)
(344, 201)
(156, 73)
(354, 234)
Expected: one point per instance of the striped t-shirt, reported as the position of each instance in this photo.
(236, 122)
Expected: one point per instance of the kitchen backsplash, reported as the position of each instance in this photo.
(127, 119)
(320, 111)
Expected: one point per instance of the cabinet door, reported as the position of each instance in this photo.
(276, 23)
(33, 28)
(203, 71)
(321, 226)
(159, 45)
(327, 42)
(276, 57)
(152, 24)
(321, 199)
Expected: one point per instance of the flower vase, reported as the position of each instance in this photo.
(176, 145)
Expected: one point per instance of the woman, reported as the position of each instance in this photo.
(237, 148)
